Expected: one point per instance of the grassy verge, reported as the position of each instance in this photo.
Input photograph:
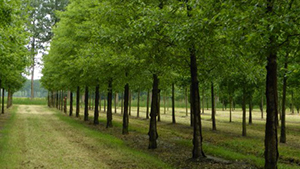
(28, 101)
(9, 155)
(144, 159)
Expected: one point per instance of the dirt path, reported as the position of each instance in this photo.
(44, 141)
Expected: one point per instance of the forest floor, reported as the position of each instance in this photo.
(40, 137)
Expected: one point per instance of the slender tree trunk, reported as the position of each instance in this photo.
(32, 71)
(86, 104)
(116, 94)
(154, 111)
(104, 104)
(203, 100)
(109, 105)
(173, 104)
(57, 95)
(250, 110)
(165, 108)
(3, 100)
(282, 133)
(191, 108)
(71, 104)
(129, 103)
(213, 111)
(61, 100)
(197, 132)
(186, 102)
(158, 115)
(271, 140)
(122, 104)
(100, 104)
(78, 101)
(148, 98)
(230, 107)
(138, 105)
(8, 99)
(125, 114)
(292, 103)
(96, 111)
(207, 106)
(244, 132)
(65, 104)
(90, 101)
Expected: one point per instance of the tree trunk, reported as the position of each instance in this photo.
(173, 104)
(213, 111)
(122, 104)
(230, 107)
(109, 105)
(282, 133)
(203, 100)
(138, 105)
(100, 104)
(158, 115)
(271, 140)
(244, 132)
(197, 132)
(153, 113)
(65, 104)
(148, 98)
(129, 103)
(104, 104)
(57, 99)
(90, 101)
(8, 99)
(191, 108)
(292, 103)
(86, 104)
(125, 114)
(165, 108)
(186, 102)
(78, 101)
(61, 100)
(250, 110)
(96, 111)
(116, 94)
(71, 104)
(262, 106)
(2, 100)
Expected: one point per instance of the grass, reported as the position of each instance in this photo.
(227, 141)
(9, 154)
(144, 158)
(28, 101)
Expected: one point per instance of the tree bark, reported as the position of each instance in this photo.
(282, 133)
(77, 101)
(148, 98)
(125, 114)
(173, 104)
(65, 104)
(104, 104)
(203, 100)
(197, 132)
(213, 111)
(86, 104)
(138, 105)
(57, 99)
(292, 103)
(116, 94)
(165, 108)
(186, 102)
(158, 115)
(129, 103)
(271, 140)
(250, 110)
(153, 113)
(96, 111)
(3, 100)
(71, 104)
(191, 108)
(122, 104)
(262, 106)
(244, 132)
(109, 105)
(230, 113)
